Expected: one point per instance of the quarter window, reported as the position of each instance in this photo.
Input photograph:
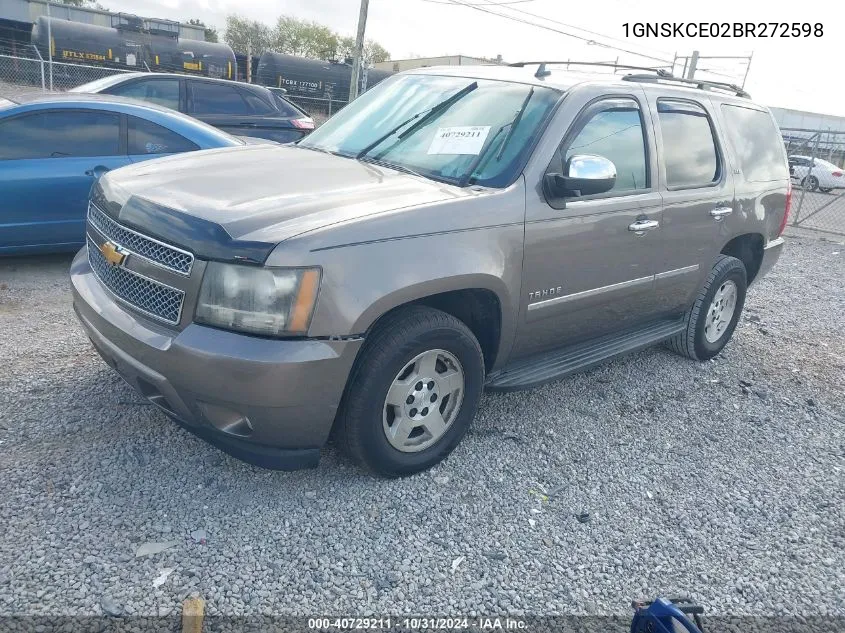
(757, 143)
(615, 134)
(689, 148)
(60, 134)
(146, 137)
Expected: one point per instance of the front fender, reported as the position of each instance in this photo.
(379, 263)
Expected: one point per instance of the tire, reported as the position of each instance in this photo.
(825, 189)
(702, 339)
(812, 183)
(367, 421)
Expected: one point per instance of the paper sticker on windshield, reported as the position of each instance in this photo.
(462, 139)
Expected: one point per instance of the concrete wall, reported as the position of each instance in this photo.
(808, 120)
(398, 65)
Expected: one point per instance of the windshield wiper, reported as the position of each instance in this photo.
(384, 163)
(510, 124)
(423, 117)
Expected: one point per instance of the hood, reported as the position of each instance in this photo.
(258, 194)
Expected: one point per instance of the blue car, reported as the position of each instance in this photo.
(53, 147)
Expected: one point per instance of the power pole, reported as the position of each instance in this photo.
(50, 43)
(693, 62)
(359, 50)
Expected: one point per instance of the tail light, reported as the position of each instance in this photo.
(786, 210)
(305, 123)
(838, 174)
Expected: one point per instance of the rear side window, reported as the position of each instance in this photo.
(217, 99)
(689, 146)
(616, 134)
(163, 92)
(757, 143)
(146, 137)
(60, 134)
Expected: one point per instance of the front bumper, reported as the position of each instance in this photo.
(771, 253)
(269, 402)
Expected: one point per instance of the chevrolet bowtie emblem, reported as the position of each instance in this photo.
(112, 253)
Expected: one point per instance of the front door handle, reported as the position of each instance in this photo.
(641, 226)
(720, 212)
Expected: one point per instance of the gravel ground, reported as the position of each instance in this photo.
(649, 476)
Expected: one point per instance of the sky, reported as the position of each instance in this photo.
(800, 73)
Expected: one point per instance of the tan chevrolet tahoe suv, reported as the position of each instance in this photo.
(450, 231)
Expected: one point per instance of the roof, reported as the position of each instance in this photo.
(112, 80)
(558, 78)
(85, 98)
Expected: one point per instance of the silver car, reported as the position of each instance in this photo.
(453, 229)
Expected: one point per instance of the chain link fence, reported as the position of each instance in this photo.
(318, 108)
(818, 178)
(28, 71)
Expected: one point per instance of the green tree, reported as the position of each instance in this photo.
(91, 4)
(304, 38)
(246, 36)
(375, 53)
(210, 31)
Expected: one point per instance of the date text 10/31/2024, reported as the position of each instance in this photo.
(492, 623)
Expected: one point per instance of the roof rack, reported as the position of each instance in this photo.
(542, 71)
(701, 84)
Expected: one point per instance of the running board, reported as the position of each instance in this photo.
(558, 363)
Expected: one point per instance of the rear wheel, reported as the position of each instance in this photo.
(712, 319)
(825, 189)
(413, 393)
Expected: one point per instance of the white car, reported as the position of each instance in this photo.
(824, 176)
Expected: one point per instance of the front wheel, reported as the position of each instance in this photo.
(712, 319)
(413, 392)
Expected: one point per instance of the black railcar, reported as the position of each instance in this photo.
(133, 43)
(303, 77)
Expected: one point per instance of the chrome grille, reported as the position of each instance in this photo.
(148, 296)
(168, 256)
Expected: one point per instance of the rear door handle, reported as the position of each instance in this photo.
(720, 212)
(641, 226)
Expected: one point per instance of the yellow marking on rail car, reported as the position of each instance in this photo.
(109, 53)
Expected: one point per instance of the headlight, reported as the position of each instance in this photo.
(267, 301)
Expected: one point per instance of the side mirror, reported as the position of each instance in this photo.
(584, 175)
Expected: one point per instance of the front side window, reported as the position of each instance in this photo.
(163, 92)
(616, 134)
(453, 129)
(60, 134)
(689, 148)
(211, 98)
(146, 137)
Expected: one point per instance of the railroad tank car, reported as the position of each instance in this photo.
(311, 77)
(131, 45)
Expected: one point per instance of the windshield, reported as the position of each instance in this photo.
(481, 135)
